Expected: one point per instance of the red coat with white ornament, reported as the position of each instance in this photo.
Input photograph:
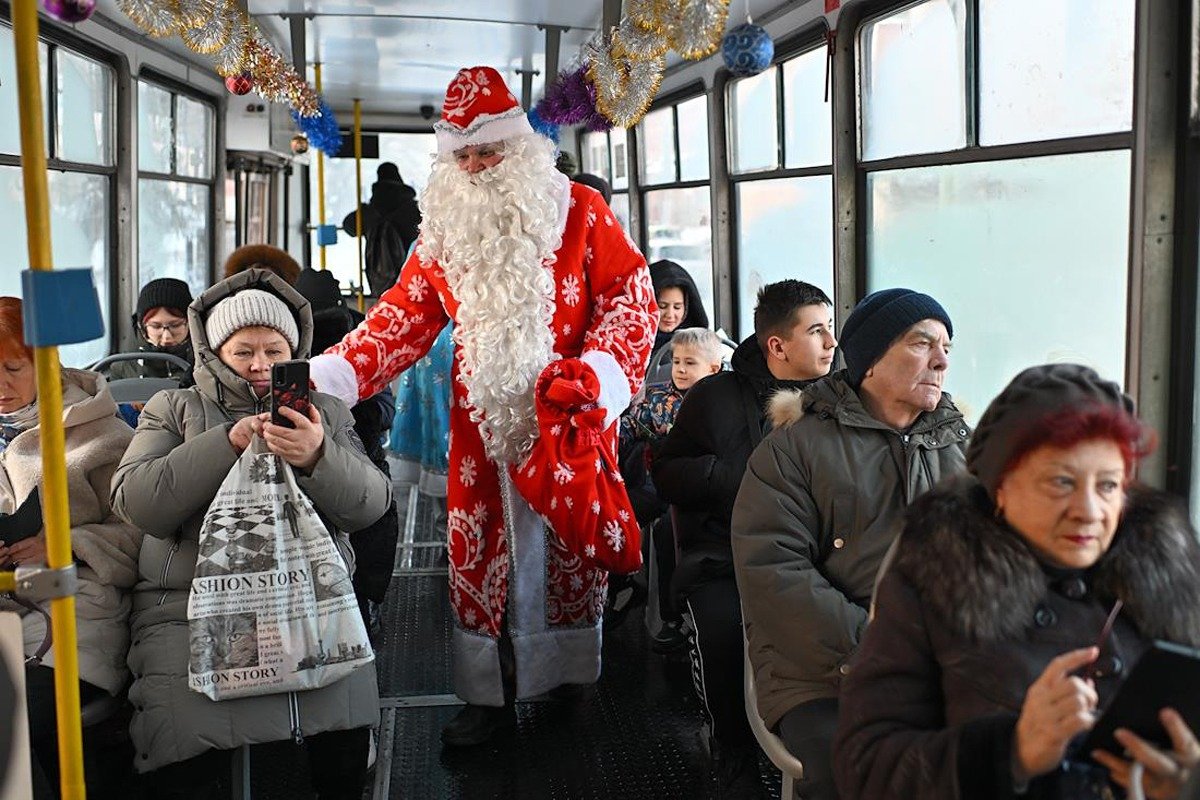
(507, 568)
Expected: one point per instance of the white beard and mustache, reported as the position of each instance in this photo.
(494, 234)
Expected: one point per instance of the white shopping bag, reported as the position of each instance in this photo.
(272, 608)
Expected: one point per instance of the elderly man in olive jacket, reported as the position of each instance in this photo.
(822, 500)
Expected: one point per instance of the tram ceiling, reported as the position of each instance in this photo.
(399, 55)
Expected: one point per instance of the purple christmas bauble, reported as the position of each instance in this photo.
(70, 10)
(747, 50)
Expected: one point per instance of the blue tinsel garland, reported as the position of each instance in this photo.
(542, 125)
(321, 129)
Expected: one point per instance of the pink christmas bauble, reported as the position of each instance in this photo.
(239, 84)
(70, 10)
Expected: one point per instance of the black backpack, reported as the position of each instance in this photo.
(384, 256)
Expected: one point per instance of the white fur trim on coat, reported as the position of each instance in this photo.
(614, 385)
(485, 130)
(333, 375)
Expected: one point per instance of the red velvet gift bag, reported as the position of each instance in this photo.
(571, 476)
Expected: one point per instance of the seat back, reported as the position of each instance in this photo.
(790, 767)
(139, 390)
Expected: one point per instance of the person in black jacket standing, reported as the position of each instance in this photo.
(699, 470)
(375, 545)
(390, 221)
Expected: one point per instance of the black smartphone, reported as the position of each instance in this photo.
(1166, 675)
(289, 387)
(24, 522)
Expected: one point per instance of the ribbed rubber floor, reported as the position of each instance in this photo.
(636, 735)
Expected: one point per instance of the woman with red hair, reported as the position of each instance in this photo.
(980, 669)
(105, 548)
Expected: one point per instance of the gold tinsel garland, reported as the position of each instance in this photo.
(208, 35)
(627, 72)
(155, 17)
(700, 24)
(220, 29)
(624, 88)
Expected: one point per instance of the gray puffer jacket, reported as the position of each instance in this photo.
(822, 500)
(178, 459)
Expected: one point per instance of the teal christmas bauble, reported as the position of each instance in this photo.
(747, 50)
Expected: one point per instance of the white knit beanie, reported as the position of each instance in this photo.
(247, 308)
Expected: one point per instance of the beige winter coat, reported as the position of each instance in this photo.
(178, 459)
(104, 546)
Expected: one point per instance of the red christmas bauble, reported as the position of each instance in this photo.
(239, 84)
(70, 10)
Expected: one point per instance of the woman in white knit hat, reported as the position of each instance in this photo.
(186, 442)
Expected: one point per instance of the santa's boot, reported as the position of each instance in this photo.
(476, 724)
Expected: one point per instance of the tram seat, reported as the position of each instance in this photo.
(139, 390)
(787, 764)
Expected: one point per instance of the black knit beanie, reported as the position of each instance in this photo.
(877, 320)
(1030, 397)
(163, 293)
(320, 288)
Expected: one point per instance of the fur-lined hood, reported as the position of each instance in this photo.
(979, 576)
(834, 396)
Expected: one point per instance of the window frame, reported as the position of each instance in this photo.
(632, 176)
(973, 152)
(803, 42)
(55, 39)
(639, 219)
(177, 88)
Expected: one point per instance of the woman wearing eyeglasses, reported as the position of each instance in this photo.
(991, 646)
(161, 324)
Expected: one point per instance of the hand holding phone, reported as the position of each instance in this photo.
(289, 387)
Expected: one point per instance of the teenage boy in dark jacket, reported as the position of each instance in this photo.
(699, 470)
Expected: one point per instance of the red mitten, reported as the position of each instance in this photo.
(571, 476)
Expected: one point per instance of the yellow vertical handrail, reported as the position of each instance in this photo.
(362, 306)
(49, 385)
(320, 173)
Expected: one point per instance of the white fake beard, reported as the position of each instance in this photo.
(494, 234)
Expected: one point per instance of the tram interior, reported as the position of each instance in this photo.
(1032, 163)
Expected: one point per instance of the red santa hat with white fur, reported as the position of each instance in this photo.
(479, 109)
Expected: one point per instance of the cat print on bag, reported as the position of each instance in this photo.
(225, 641)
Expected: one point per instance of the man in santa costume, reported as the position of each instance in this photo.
(531, 268)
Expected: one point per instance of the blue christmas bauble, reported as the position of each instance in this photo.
(747, 50)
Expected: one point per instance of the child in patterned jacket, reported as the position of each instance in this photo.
(695, 354)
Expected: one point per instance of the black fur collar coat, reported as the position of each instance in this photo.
(967, 618)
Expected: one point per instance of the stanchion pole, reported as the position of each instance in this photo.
(320, 174)
(358, 242)
(49, 385)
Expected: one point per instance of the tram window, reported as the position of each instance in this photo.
(754, 123)
(412, 153)
(85, 105)
(678, 228)
(692, 119)
(595, 154)
(154, 128)
(784, 230)
(10, 133)
(620, 207)
(193, 140)
(618, 147)
(79, 236)
(175, 186)
(1070, 74)
(912, 80)
(656, 142)
(173, 239)
(806, 115)
(978, 236)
